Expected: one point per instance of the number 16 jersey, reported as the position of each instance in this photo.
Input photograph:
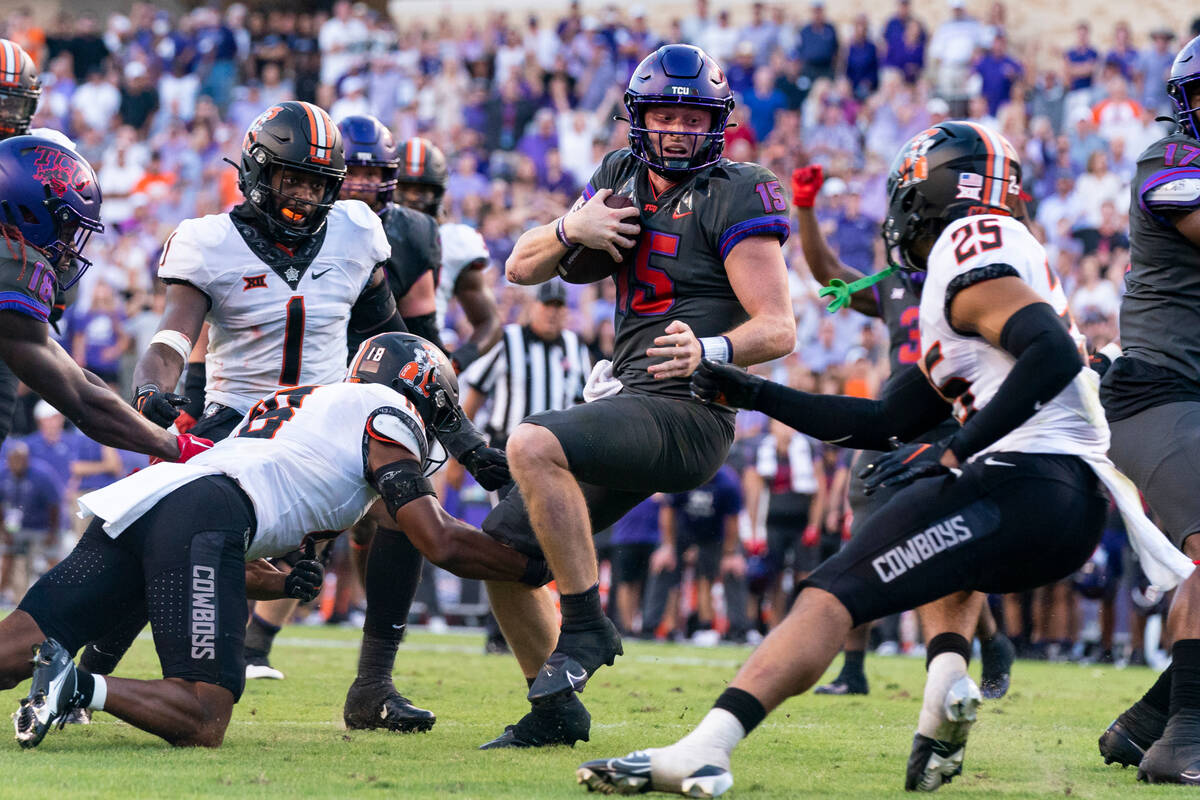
(276, 320)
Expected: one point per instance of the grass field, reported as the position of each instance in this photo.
(287, 738)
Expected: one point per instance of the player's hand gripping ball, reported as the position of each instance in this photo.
(604, 231)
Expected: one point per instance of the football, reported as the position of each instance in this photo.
(586, 265)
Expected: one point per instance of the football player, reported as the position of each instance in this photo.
(702, 275)
(176, 539)
(49, 208)
(421, 185)
(1152, 401)
(1021, 475)
(895, 299)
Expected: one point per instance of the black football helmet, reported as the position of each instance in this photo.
(1185, 73)
(368, 143)
(952, 170)
(20, 88)
(417, 369)
(297, 136)
(422, 177)
(678, 74)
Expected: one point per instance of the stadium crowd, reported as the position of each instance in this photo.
(523, 109)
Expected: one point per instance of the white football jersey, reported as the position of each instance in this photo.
(967, 370)
(300, 456)
(264, 335)
(462, 246)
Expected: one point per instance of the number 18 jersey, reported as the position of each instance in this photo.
(967, 370)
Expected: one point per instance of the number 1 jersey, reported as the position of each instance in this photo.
(280, 324)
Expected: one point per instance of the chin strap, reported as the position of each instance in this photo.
(841, 291)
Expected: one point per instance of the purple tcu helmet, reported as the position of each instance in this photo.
(367, 142)
(50, 195)
(678, 74)
(1185, 77)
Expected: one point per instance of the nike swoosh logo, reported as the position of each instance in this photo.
(991, 462)
(577, 680)
(1038, 405)
(319, 274)
(677, 215)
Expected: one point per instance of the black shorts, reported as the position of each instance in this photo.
(217, 422)
(787, 517)
(622, 449)
(631, 562)
(183, 561)
(1011, 522)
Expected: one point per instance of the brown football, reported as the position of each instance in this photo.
(585, 265)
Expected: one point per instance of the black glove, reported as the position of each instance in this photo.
(904, 465)
(304, 581)
(726, 384)
(463, 356)
(159, 407)
(537, 573)
(488, 466)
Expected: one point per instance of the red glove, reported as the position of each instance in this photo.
(847, 525)
(811, 536)
(184, 422)
(806, 182)
(190, 446)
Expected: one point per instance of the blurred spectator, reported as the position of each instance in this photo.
(763, 101)
(51, 445)
(634, 540)
(818, 44)
(139, 97)
(862, 60)
(997, 72)
(97, 100)
(952, 48)
(343, 39)
(1093, 296)
(98, 338)
(1081, 60)
(87, 48)
(826, 351)
(1153, 69)
(30, 500)
(1123, 55)
(1118, 116)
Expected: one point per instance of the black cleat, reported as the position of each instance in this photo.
(575, 659)
(932, 763)
(549, 722)
(379, 705)
(1175, 757)
(52, 693)
(844, 684)
(1131, 735)
(997, 656)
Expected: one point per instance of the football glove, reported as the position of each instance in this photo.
(725, 384)
(906, 464)
(304, 581)
(158, 406)
(464, 355)
(190, 446)
(806, 183)
(488, 466)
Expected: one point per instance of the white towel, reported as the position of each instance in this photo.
(601, 382)
(120, 504)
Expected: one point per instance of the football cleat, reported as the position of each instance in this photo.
(259, 667)
(575, 659)
(934, 762)
(1175, 757)
(845, 685)
(549, 722)
(374, 705)
(633, 774)
(52, 694)
(996, 655)
(1131, 735)
(77, 716)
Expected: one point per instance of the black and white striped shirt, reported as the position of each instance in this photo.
(523, 375)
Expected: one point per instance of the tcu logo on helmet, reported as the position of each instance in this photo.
(59, 171)
(420, 373)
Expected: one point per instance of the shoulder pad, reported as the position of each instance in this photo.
(399, 426)
(206, 231)
(1180, 193)
(357, 212)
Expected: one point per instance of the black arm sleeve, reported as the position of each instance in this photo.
(426, 327)
(1047, 361)
(463, 439)
(908, 408)
(375, 311)
(194, 381)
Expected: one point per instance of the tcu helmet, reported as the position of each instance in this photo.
(423, 164)
(50, 195)
(367, 142)
(293, 135)
(1185, 71)
(952, 170)
(415, 368)
(678, 74)
(20, 88)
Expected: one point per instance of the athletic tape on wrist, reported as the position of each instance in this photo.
(174, 340)
(717, 348)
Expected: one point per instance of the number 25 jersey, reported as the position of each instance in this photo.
(278, 323)
(967, 370)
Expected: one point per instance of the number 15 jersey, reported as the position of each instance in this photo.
(967, 370)
(280, 322)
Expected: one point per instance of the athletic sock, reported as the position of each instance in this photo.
(1185, 683)
(852, 664)
(744, 707)
(393, 575)
(260, 635)
(377, 658)
(1159, 695)
(945, 664)
(581, 611)
(91, 690)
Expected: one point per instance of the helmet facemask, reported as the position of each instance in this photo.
(289, 214)
(646, 143)
(1185, 97)
(16, 111)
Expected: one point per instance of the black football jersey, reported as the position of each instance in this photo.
(28, 288)
(678, 269)
(416, 247)
(898, 297)
(1160, 312)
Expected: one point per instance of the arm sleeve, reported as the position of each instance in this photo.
(426, 327)
(375, 309)
(908, 408)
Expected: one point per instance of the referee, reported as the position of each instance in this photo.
(538, 366)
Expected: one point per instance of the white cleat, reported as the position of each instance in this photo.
(258, 671)
(934, 762)
(634, 774)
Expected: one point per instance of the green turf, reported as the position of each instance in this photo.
(287, 740)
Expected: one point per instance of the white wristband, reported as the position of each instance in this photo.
(174, 340)
(716, 348)
(99, 694)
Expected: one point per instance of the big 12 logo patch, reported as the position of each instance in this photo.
(60, 171)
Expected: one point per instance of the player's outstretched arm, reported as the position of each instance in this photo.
(158, 369)
(479, 307)
(592, 224)
(100, 413)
